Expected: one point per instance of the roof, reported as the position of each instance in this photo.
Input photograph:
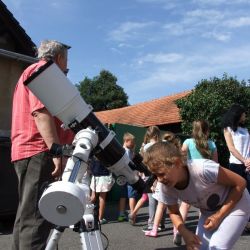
(159, 111)
(9, 24)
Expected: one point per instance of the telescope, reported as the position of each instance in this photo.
(63, 100)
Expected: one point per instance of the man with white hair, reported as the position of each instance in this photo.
(33, 132)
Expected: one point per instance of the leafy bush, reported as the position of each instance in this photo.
(209, 100)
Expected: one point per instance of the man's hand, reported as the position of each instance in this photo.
(58, 167)
(60, 164)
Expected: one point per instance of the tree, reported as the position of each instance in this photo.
(210, 100)
(102, 92)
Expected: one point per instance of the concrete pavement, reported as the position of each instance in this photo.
(123, 236)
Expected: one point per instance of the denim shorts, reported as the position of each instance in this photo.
(132, 193)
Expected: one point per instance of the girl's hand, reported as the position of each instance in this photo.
(93, 197)
(192, 240)
(212, 222)
(247, 163)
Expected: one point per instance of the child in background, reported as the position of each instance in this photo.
(129, 146)
(101, 183)
(200, 146)
(219, 193)
(153, 135)
(161, 207)
(127, 191)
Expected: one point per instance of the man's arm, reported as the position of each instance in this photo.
(46, 127)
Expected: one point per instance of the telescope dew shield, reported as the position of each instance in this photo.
(58, 94)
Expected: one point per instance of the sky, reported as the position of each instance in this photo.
(155, 48)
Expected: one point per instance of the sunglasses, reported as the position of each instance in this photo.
(66, 71)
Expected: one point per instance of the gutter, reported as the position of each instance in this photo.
(17, 56)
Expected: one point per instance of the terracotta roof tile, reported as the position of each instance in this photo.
(155, 112)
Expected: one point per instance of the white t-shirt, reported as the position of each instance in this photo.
(241, 142)
(202, 191)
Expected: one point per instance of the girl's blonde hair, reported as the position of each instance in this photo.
(153, 132)
(200, 135)
(171, 137)
(162, 154)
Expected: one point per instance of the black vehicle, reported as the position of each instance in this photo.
(8, 182)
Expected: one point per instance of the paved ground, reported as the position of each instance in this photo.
(123, 236)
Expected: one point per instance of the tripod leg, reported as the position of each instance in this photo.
(54, 238)
(91, 240)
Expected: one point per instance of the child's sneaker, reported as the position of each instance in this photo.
(131, 219)
(147, 229)
(121, 218)
(177, 239)
(103, 221)
(151, 233)
(161, 228)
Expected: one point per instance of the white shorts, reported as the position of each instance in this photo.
(101, 184)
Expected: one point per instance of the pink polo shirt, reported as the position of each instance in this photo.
(25, 137)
